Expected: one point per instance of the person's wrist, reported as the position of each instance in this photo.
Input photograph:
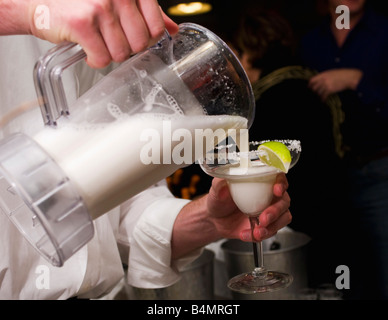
(32, 6)
(38, 17)
(356, 78)
(14, 17)
(208, 226)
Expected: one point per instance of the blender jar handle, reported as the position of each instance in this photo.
(48, 79)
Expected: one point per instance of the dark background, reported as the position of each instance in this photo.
(313, 194)
(302, 14)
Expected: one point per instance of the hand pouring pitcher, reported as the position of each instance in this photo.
(106, 147)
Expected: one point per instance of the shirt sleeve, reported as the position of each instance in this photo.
(145, 238)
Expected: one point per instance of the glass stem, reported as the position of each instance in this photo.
(258, 253)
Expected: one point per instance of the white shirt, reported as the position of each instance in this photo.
(138, 233)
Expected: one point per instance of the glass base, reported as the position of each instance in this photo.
(249, 283)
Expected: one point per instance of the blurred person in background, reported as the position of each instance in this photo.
(353, 63)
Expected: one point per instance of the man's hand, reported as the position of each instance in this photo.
(232, 223)
(333, 81)
(215, 217)
(108, 30)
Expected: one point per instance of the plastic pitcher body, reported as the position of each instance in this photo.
(150, 116)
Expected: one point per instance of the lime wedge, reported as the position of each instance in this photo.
(275, 154)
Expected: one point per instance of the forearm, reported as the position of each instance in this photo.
(193, 229)
(15, 17)
(215, 216)
(355, 78)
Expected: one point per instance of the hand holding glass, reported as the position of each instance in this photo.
(251, 186)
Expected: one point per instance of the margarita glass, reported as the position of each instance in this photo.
(250, 183)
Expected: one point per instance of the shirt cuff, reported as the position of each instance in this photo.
(150, 246)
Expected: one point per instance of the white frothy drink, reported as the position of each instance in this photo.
(250, 182)
(252, 194)
(104, 162)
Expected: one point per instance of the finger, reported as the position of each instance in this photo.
(153, 19)
(313, 80)
(261, 233)
(320, 90)
(274, 211)
(134, 26)
(114, 37)
(281, 185)
(315, 84)
(97, 54)
(319, 85)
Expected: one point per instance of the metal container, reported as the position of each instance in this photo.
(197, 283)
(289, 258)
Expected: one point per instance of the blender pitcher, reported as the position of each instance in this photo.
(118, 138)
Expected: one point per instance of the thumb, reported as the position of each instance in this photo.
(219, 190)
(219, 199)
